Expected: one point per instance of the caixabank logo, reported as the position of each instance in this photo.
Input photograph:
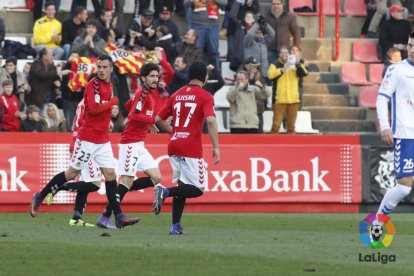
(377, 232)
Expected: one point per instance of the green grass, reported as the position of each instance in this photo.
(214, 244)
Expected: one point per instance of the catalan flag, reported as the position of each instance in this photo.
(129, 62)
(82, 68)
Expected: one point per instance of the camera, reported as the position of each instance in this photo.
(261, 20)
(291, 61)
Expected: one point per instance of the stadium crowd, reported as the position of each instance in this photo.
(65, 53)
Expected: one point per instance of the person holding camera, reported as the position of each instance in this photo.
(240, 19)
(296, 51)
(256, 41)
(243, 104)
(256, 77)
(286, 73)
(284, 23)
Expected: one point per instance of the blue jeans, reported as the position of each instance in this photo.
(209, 41)
(66, 48)
(69, 109)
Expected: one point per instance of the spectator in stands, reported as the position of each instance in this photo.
(371, 9)
(158, 5)
(37, 8)
(205, 18)
(97, 6)
(89, 44)
(109, 36)
(214, 82)
(120, 15)
(53, 120)
(32, 122)
(10, 72)
(295, 50)
(71, 28)
(107, 21)
(243, 109)
(163, 40)
(180, 74)
(285, 73)
(140, 24)
(26, 70)
(394, 32)
(393, 56)
(236, 12)
(381, 9)
(252, 67)
(117, 119)
(10, 108)
(47, 32)
(236, 57)
(2, 31)
(189, 49)
(164, 18)
(70, 98)
(43, 79)
(285, 25)
(255, 44)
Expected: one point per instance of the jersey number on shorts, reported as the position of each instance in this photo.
(408, 164)
(80, 158)
(177, 108)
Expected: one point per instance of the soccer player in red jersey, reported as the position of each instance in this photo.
(133, 156)
(93, 142)
(90, 177)
(189, 107)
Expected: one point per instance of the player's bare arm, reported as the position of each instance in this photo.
(213, 131)
(387, 137)
(163, 125)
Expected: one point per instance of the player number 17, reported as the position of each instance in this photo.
(177, 108)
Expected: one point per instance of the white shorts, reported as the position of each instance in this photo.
(134, 158)
(189, 171)
(90, 173)
(101, 154)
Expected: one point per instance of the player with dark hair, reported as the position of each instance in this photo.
(396, 88)
(189, 107)
(93, 142)
(133, 156)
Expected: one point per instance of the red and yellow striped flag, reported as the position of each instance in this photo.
(82, 68)
(129, 62)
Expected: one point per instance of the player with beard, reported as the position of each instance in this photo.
(133, 156)
(397, 129)
(93, 142)
(90, 177)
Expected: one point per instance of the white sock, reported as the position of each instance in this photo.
(392, 198)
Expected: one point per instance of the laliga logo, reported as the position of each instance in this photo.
(379, 235)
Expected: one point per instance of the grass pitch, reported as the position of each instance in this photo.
(214, 244)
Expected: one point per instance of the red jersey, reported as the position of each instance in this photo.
(159, 101)
(77, 122)
(140, 116)
(189, 106)
(9, 105)
(98, 103)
